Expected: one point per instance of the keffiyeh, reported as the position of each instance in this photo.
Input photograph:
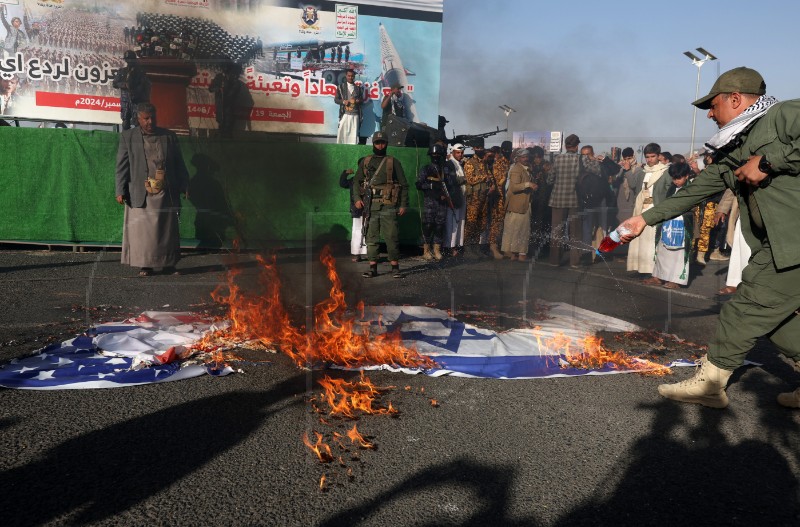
(728, 132)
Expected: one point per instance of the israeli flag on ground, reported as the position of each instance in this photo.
(465, 350)
(137, 351)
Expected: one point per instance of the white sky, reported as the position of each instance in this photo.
(613, 72)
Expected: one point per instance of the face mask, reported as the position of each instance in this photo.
(480, 154)
(378, 152)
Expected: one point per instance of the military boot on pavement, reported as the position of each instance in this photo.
(701, 257)
(437, 251)
(426, 252)
(707, 387)
(790, 400)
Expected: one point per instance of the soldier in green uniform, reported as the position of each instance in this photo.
(758, 157)
(380, 186)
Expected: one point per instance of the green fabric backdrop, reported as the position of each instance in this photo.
(59, 188)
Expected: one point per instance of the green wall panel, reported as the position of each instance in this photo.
(59, 188)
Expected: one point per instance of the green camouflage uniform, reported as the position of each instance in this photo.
(383, 216)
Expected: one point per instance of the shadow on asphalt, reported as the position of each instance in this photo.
(493, 484)
(101, 473)
(687, 471)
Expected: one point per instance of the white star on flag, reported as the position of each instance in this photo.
(117, 361)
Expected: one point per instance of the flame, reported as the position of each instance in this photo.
(322, 450)
(434, 403)
(335, 337)
(356, 437)
(591, 353)
(346, 399)
(322, 482)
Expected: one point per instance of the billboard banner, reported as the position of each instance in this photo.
(549, 141)
(59, 57)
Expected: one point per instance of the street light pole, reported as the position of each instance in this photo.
(508, 110)
(697, 61)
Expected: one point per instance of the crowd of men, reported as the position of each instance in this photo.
(570, 201)
(662, 207)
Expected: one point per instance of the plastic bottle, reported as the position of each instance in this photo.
(613, 240)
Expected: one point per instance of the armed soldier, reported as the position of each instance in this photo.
(381, 187)
(496, 200)
(478, 177)
(436, 180)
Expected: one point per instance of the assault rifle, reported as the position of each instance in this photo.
(717, 152)
(366, 185)
(447, 197)
(470, 139)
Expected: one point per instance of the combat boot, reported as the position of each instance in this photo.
(701, 257)
(707, 387)
(426, 252)
(495, 251)
(790, 400)
(437, 251)
(793, 363)
(717, 256)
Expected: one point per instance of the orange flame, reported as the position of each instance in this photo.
(322, 482)
(356, 437)
(345, 398)
(334, 337)
(322, 450)
(590, 353)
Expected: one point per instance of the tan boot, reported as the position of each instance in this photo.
(794, 364)
(707, 387)
(701, 257)
(717, 256)
(437, 251)
(426, 252)
(790, 400)
(495, 251)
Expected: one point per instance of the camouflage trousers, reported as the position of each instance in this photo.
(497, 214)
(476, 219)
(705, 226)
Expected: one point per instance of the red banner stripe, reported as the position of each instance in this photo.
(283, 115)
(79, 102)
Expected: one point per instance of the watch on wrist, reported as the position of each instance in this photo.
(765, 166)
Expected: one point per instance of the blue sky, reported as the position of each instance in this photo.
(613, 72)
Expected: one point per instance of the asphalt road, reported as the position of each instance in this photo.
(228, 451)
